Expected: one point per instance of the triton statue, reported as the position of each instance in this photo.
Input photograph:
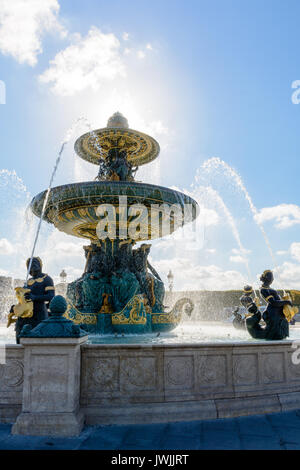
(238, 321)
(276, 316)
(31, 309)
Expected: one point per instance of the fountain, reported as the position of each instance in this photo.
(61, 377)
(119, 291)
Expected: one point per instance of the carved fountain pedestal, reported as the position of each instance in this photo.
(51, 388)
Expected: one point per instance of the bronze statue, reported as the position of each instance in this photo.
(116, 167)
(239, 321)
(277, 326)
(39, 291)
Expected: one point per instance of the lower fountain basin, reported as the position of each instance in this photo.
(125, 380)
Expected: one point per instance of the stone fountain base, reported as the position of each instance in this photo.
(123, 384)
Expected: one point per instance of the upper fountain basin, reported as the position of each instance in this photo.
(73, 208)
(95, 145)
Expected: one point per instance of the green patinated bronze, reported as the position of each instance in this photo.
(56, 326)
(119, 290)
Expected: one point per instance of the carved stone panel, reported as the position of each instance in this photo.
(179, 372)
(293, 365)
(102, 374)
(11, 374)
(212, 371)
(273, 367)
(245, 369)
(138, 373)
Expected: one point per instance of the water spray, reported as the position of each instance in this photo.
(214, 163)
(62, 148)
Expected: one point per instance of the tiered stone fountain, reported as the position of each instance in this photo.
(119, 291)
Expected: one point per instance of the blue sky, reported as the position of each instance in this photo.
(205, 78)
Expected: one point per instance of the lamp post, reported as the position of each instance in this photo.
(170, 277)
(63, 276)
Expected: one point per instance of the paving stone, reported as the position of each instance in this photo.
(104, 438)
(255, 425)
(179, 442)
(190, 428)
(269, 432)
(145, 435)
(290, 419)
(216, 439)
(250, 442)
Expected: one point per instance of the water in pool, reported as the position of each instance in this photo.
(189, 332)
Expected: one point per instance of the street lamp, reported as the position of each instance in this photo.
(63, 276)
(170, 277)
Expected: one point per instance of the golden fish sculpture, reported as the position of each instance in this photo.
(289, 312)
(23, 309)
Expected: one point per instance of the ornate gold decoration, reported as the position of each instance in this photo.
(94, 146)
(106, 306)
(38, 279)
(49, 288)
(80, 318)
(137, 314)
(289, 312)
(24, 309)
(175, 315)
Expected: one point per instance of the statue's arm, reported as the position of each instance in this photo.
(269, 297)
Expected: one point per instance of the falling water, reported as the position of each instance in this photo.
(215, 163)
(95, 140)
(212, 194)
(62, 148)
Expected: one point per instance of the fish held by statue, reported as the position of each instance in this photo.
(289, 312)
(23, 309)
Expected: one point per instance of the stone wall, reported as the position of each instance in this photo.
(11, 384)
(148, 383)
(143, 383)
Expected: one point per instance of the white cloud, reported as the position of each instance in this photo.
(6, 248)
(295, 251)
(281, 252)
(125, 36)
(88, 62)
(238, 259)
(288, 276)
(240, 251)
(191, 276)
(141, 54)
(22, 25)
(4, 273)
(157, 128)
(284, 215)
